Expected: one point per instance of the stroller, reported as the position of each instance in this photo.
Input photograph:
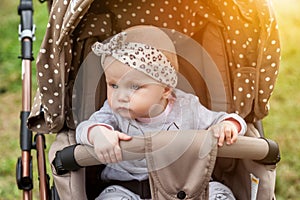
(238, 40)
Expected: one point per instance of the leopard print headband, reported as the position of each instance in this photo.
(142, 57)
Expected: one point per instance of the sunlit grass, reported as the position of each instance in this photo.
(283, 122)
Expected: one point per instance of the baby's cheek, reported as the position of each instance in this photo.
(109, 101)
(137, 102)
(140, 105)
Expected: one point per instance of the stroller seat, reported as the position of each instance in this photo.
(240, 38)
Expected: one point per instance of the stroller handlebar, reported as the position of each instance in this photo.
(262, 150)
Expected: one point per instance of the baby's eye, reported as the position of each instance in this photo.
(135, 87)
(114, 86)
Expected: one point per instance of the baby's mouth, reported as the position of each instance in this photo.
(124, 112)
(122, 109)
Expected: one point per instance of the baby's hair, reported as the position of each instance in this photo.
(154, 37)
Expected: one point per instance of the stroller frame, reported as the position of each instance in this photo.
(24, 167)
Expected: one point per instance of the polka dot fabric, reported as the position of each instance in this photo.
(254, 54)
(249, 31)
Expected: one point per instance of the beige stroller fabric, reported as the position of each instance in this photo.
(72, 184)
(191, 173)
(236, 172)
(188, 176)
(181, 177)
(248, 32)
(241, 37)
(178, 171)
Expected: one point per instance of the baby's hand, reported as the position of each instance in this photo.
(106, 143)
(225, 131)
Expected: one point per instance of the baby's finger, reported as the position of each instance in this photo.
(118, 153)
(228, 134)
(107, 157)
(123, 136)
(215, 131)
(221, 138)
(113, 157)
(234, 137)
(101, 158)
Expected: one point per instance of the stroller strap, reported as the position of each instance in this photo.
(141, 188)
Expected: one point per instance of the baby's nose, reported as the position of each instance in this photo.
(123, 96)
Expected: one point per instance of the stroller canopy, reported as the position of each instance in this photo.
(248, 31)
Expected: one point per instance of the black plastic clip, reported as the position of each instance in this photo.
(24, 183)
(64, 160)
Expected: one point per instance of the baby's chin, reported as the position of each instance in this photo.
(132, 115)
(125, 113)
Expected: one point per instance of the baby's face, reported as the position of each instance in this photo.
(133, 94)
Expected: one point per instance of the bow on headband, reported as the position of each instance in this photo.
(142, 57)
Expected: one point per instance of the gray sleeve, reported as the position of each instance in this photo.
(205, 118)
(104, 117)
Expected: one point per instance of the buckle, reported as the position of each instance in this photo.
(144, 189)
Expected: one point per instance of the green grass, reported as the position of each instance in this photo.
(10, 50)
(10, 77)
(282, 124)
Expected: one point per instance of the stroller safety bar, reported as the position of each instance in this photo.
(262, 150)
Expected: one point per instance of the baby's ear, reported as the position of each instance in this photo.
(167, 92)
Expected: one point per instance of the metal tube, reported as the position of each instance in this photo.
(41, 162)
(26, 85)
(27, 195)
(26, 35)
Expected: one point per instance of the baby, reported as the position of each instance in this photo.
(142, 97)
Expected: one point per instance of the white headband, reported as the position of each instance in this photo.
(142, 57)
